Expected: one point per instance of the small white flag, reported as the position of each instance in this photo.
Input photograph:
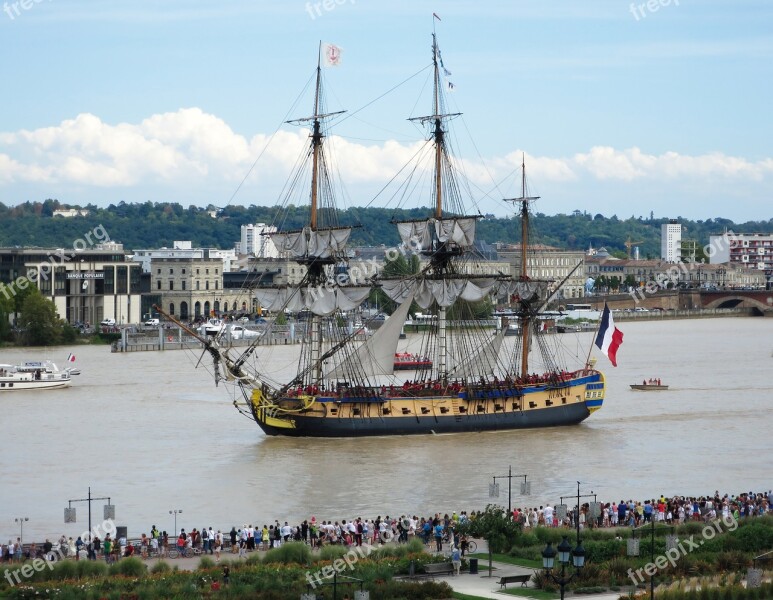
(331, 55)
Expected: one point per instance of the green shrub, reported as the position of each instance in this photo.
(290, 553)
(415, 546)
(64, 569)
(160, 567)
(330, 553)
(206, 563)
(130, 567)
(597, 551)
(526, 539)
(91, 568)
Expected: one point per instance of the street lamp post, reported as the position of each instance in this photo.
(175, 512)
(564, 551)
(21, 521)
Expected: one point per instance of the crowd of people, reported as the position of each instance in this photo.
(671, 511)
(437, 531)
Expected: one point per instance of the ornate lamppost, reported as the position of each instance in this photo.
(564, 551)
(175, 512)
(21, 521)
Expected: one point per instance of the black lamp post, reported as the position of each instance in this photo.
(564, 552)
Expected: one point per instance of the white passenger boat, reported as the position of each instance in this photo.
(33, 375)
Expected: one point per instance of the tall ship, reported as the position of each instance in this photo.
(471, 377)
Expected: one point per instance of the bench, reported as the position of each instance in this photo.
(439, 568)
(522, 579)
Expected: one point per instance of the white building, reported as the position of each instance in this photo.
(184, 249)
(256, 241)
(750, 250)
(671, 241)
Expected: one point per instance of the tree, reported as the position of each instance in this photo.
(42, 325)
(495, 526)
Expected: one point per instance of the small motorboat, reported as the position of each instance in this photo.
(405, 361)
(649, 387)
(33, 375)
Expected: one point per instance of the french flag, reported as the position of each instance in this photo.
(71, 357)
(609, 337)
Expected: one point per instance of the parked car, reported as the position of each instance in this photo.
(107, 323)
(152, 323)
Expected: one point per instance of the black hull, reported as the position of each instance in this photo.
(416, 425)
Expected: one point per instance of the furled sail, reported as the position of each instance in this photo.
(527, 291)
(321, 243)
(459, 231)
(376, 356)
(443, 291)
(321, 300)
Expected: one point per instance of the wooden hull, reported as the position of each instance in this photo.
(648, 388)
(537, 406)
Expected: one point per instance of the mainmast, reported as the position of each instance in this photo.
(438, 134)
(525, 314)
(316, 144)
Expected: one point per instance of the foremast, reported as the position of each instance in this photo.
(315, 262)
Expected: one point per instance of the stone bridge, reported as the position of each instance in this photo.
(760, 300)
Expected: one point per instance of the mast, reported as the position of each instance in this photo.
(315, 264)
(438, 134)
(316, 144)
(525, 313)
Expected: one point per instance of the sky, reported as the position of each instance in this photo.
(659, 106)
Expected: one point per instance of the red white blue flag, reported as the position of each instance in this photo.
(609, 337)
(71, 357)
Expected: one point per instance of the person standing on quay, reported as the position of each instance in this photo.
(439, 537)
(456, 559)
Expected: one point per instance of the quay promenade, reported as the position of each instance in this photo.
(388, 529)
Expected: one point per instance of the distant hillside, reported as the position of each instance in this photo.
(153, 225)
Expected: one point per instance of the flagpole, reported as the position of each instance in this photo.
(593, 340)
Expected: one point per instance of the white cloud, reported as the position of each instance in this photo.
(184, 151)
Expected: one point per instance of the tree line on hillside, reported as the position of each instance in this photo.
(159, 224)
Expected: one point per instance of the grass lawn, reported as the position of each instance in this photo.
(460, 596)
(532, 593)
(506, 558)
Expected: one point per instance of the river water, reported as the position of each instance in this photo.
(155, 434)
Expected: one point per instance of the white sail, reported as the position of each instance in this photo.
(525, 290)
(293, 243)
(482, 360)
(327, 242)
(460, 231)
(415, 234)
(321, 243)
(320, 300)
(443, 291)
(376, 356)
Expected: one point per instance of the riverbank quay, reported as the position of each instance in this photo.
(721, 555)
